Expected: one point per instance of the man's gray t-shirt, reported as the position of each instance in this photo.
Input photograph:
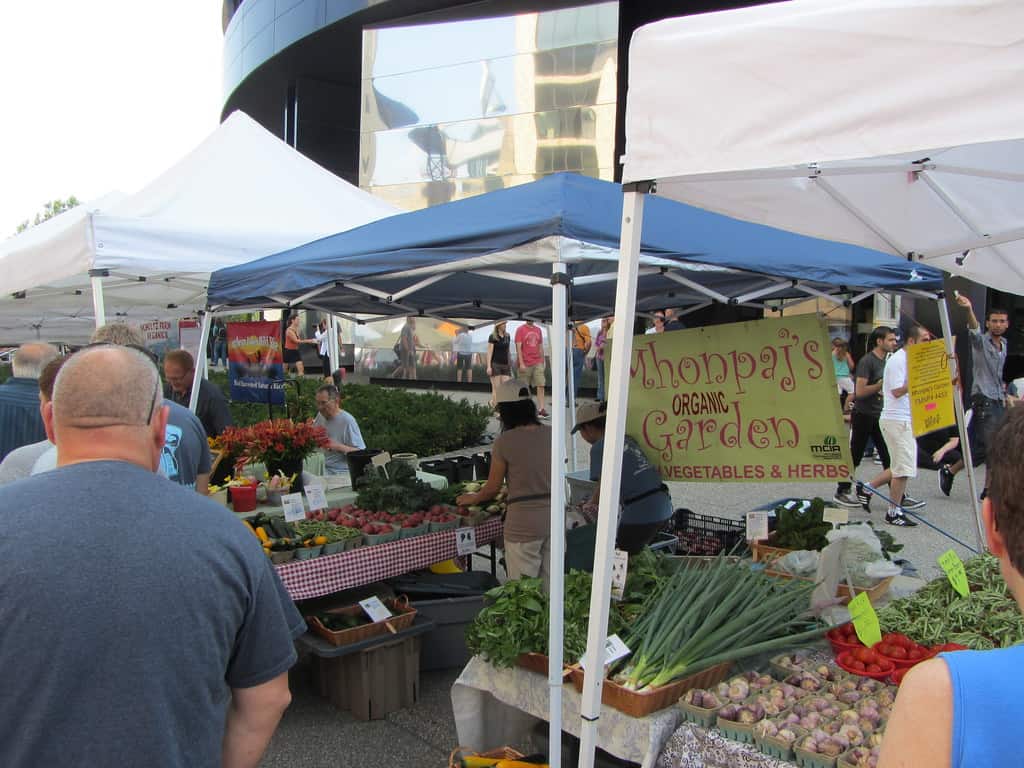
(19, 462)
(130, 608)
(989, 361)
(341, 429)
(870, 368)
(639, 478)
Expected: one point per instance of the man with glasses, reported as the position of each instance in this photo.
(186, 642)
(211, 406)
(342, 429)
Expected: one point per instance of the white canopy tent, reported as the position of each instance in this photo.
(908, 137)
(240, 195)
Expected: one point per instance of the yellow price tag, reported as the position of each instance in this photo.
(865, 620)
(951, 563)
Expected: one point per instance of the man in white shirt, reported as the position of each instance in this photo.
(897, 430)
(462, 346)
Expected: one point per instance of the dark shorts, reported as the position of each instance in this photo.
(463, 361)
(988, 416)
(291, 356)
(497, 369)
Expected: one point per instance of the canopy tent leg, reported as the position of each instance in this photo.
(571, 396)
(611, 466)
(333, 349)
(958, 406)
(200, 371)
(98, 307)
(557, 591)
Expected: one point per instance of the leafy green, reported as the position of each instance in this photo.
(801, 529)
(402, 491)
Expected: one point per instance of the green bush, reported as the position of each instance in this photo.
(391, 419)
(5, 372)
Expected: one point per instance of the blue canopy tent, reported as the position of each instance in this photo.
(533, 251)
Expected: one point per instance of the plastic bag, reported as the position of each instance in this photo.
(859, 532)
(802, 562)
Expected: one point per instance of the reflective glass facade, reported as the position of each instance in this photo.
(458, 108)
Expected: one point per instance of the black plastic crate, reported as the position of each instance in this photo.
(707, 535)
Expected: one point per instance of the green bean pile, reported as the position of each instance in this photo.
(330, 531)
(988, 618)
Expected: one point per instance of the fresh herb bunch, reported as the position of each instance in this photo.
(515, 622)
(801, 529)
(398, 491)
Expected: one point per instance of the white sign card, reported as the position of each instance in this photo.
(614, 649)
(465, 541)
(293, 509)
(757, 526)
(620, 565)
(315, 496)
(381, 459)
(375, 609)
(836, 515)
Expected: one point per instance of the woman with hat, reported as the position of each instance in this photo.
(646, 504)
(521, 454)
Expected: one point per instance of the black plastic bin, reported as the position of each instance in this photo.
(707, 535)
(463, 468)
(482, 464)
(358, 461)
(440, 467)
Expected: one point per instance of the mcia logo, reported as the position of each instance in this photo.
(827, 449)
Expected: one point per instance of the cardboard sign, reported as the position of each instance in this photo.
(315, 496)
(865, 620)
(951, 563)
(375, 609)
(465, 541)
(757, 526)
(620, 566)
(293, 509)
(614, 649)
(931, 387)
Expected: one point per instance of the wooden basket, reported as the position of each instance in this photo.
(875, 593)
(765, 553)
(502, 753)
(643, 703)
(538, 662)
(403, 618)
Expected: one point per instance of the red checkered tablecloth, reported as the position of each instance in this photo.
(332, 573)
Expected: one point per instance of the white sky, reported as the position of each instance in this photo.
(101, 95)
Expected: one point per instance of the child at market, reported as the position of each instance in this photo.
(961, 710)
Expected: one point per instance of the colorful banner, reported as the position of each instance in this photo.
(254, 362)
(747, 402)
(931, 387)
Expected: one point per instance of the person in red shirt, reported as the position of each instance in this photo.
(530, 352)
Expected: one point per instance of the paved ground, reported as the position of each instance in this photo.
(314, 734)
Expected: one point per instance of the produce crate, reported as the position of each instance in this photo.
(419, 530)
(812, 759)
(538, 662)
(374, 682)
(502, 753)
(308, 553)
(741, 732)
(765, 553)
(780, 750)
(698, 715)
(403, 618)
(285, 556)
(372, 539)
(435, 527)
(643, 703)
(333, 547)
(707, 535)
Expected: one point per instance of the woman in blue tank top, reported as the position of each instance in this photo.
(962, 709)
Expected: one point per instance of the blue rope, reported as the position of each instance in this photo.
(868, 489)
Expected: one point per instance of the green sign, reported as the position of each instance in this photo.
(747, 402)
(953, 566)
(865, 620)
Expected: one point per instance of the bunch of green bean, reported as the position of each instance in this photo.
(987, 618)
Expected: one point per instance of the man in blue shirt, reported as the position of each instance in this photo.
(646, 504)
(20, 422)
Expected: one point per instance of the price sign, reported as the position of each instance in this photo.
(951, 563)
(375, 609)
(465, 541)
(865, 620)
(293, 509)
(315, 496)
(614, 649)
(619, 567)
(381, 459)
(836, 515)
(757, 526)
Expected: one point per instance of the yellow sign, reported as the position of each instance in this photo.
(747, 402)
(931, 387)
(865, 620)
(951, 563)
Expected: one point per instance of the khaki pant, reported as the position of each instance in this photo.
(529, 558)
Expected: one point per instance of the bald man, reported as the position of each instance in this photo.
(161, 635)
(20, 423)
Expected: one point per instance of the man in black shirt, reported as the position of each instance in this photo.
(211, 408)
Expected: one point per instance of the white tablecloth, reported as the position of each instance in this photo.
(494, 707)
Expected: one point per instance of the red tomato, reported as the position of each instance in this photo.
(895, 638)
(866, 655)
(897, 652)
(914, 654)
(857, 665)
(873, 669)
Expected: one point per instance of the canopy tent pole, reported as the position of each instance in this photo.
(557, 545)
(611, 465)
(99, 310)
(958, 406)
(333, 348)
(200, 368)
(570, 376)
